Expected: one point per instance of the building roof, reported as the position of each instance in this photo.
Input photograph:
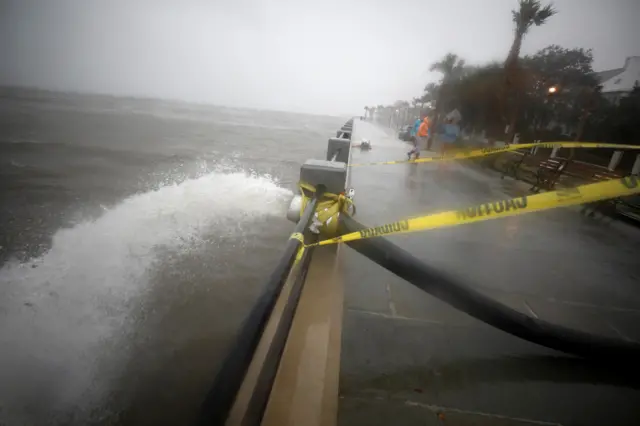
(606, 75)
(625, 79)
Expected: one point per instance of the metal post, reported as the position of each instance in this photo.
(636, 166)
(534, 150)
(615, 160)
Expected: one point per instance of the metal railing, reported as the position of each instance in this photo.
(222, 393)
(231, 374)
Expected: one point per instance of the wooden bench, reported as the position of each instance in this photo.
(548, 173)
(591, 173)
(512, 166)
(551, 171)
(594, 174)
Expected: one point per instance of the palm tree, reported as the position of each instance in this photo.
(529, 13)
(430, 94)
(479, 98)
(452, 68)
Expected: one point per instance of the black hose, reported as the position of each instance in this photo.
(219, 400)
(266, 377)
(461, 297)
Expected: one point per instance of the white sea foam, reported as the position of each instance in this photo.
(56, 311)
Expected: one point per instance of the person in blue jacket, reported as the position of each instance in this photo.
(414, 133)
(451, 132)
(414, 129)
(449, 137)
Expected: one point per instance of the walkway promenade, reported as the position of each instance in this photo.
(409, 359)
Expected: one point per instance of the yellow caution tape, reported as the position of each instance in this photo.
(297, 236)
(328, 208)
(482, 152)
(326, 216)
(497, 209)
(299, 254)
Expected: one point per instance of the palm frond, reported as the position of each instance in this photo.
(544, 14)
(531, 12)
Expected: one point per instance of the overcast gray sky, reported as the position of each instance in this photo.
(326, 56)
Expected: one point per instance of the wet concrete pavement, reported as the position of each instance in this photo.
(409, 359)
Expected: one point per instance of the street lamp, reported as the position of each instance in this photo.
(552, 90)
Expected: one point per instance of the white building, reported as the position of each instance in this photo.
(618, 82)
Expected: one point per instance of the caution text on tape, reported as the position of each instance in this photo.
(502, 208)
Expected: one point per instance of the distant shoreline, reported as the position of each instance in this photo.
(16, 91)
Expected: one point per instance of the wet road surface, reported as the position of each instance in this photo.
(409, 359)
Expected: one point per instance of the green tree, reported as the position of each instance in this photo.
(570, 73)
(478, 96)
(430, 95)
(452, 68)
(529, 13)
(621, 124)
(401, 104)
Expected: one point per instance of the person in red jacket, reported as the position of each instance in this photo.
(421, 139)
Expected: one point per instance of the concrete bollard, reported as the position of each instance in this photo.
(516, 139)
(343, 145)
(332, 174)
(636, 166)
(343, 134)
(615, 160)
